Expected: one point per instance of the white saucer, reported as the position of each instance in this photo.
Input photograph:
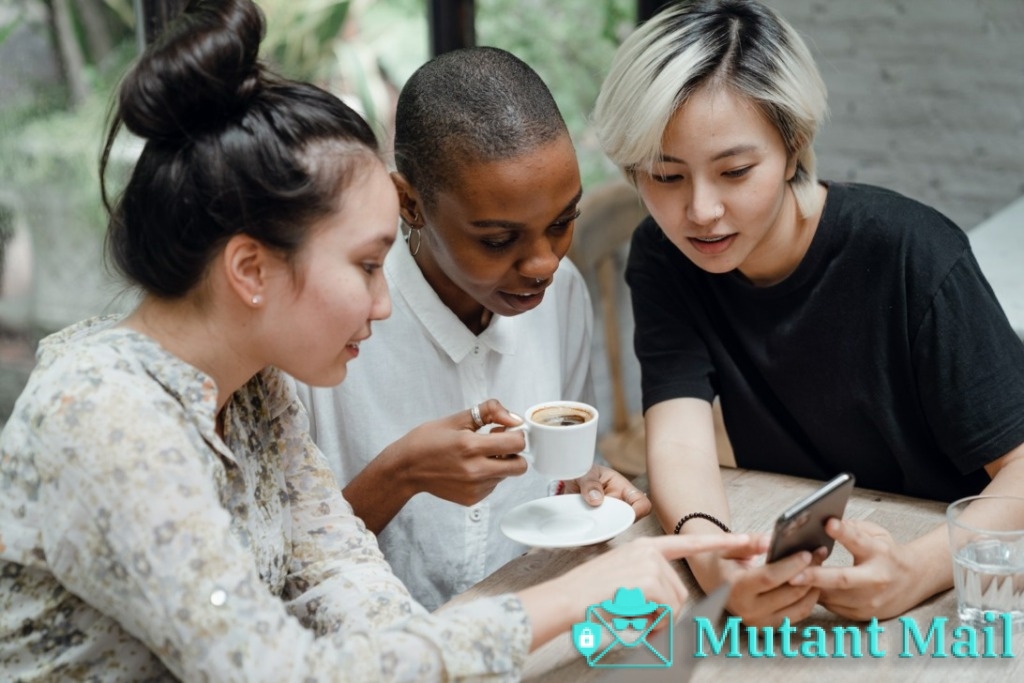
(566, 521)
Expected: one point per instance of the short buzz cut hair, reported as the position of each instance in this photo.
(741, 45)
(470, 105)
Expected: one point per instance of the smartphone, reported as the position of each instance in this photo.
(802, 527)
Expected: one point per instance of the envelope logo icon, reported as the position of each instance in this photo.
(624, 623)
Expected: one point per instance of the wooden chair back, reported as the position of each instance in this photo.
(609, 214)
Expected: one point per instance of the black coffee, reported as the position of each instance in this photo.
(561, 416)
(563, 420)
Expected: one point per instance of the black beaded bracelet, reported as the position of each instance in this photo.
(701, 515)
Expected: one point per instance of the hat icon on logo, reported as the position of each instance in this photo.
(629, 602)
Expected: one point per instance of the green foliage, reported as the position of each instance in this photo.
(51, 155)
(53, 158)
(396, 32)
(352, 47)
(9, 27)
(124, 11)
(570, 44)
(301, 36)
(321, 41)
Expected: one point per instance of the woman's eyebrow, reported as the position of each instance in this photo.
(734, 151)
(386, 240)
(731, 152)
(571, 206)
(513, 225)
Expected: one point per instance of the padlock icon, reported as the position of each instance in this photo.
(586, 638)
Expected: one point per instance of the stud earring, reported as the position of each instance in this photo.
(257, 299)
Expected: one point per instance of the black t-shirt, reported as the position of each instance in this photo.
(885, 353)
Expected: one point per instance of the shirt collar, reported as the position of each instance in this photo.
(448, 332)
(192, 388)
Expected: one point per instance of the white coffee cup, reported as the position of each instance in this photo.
(560, 438)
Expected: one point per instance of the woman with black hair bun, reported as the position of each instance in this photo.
(164, 512)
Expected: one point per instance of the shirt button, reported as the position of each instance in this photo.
(475, 514)
(476, 349)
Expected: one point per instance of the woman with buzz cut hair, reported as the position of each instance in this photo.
(844, 327)
(487, 313)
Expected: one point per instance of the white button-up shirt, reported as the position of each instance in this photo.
(422, 363)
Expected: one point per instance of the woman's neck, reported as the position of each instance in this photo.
(196, 337)
(788, 241)
(473, 315)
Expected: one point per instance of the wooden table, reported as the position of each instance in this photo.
(756, 498)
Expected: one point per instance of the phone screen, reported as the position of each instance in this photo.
(802, 527)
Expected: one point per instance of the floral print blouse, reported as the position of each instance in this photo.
(137, 545)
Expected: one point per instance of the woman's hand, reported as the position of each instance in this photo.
(451, 459)
(603, 481)
(883, 581)
(643, 563)
(762, 594)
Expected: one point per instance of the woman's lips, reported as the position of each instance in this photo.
(714, 245)
(522, 302)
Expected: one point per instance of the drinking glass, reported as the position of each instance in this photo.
(986, 539)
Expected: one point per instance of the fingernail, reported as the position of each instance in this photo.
(515, 417)
(799, 579)
(593, 495)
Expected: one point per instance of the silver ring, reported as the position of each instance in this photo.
(477, 420)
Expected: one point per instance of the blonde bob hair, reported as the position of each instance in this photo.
(737, 44)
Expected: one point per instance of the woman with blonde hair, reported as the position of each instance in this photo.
(844, 327)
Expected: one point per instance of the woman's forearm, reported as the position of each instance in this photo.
(378, 493)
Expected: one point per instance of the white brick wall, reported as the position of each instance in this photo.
(927, 97)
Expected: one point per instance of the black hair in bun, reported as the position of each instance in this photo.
(230, 148)
(198, 74)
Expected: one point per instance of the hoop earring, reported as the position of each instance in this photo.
(419, 240)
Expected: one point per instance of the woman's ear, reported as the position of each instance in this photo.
(794, 158)
(246, 264)
(791, 168)
(409, 204)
